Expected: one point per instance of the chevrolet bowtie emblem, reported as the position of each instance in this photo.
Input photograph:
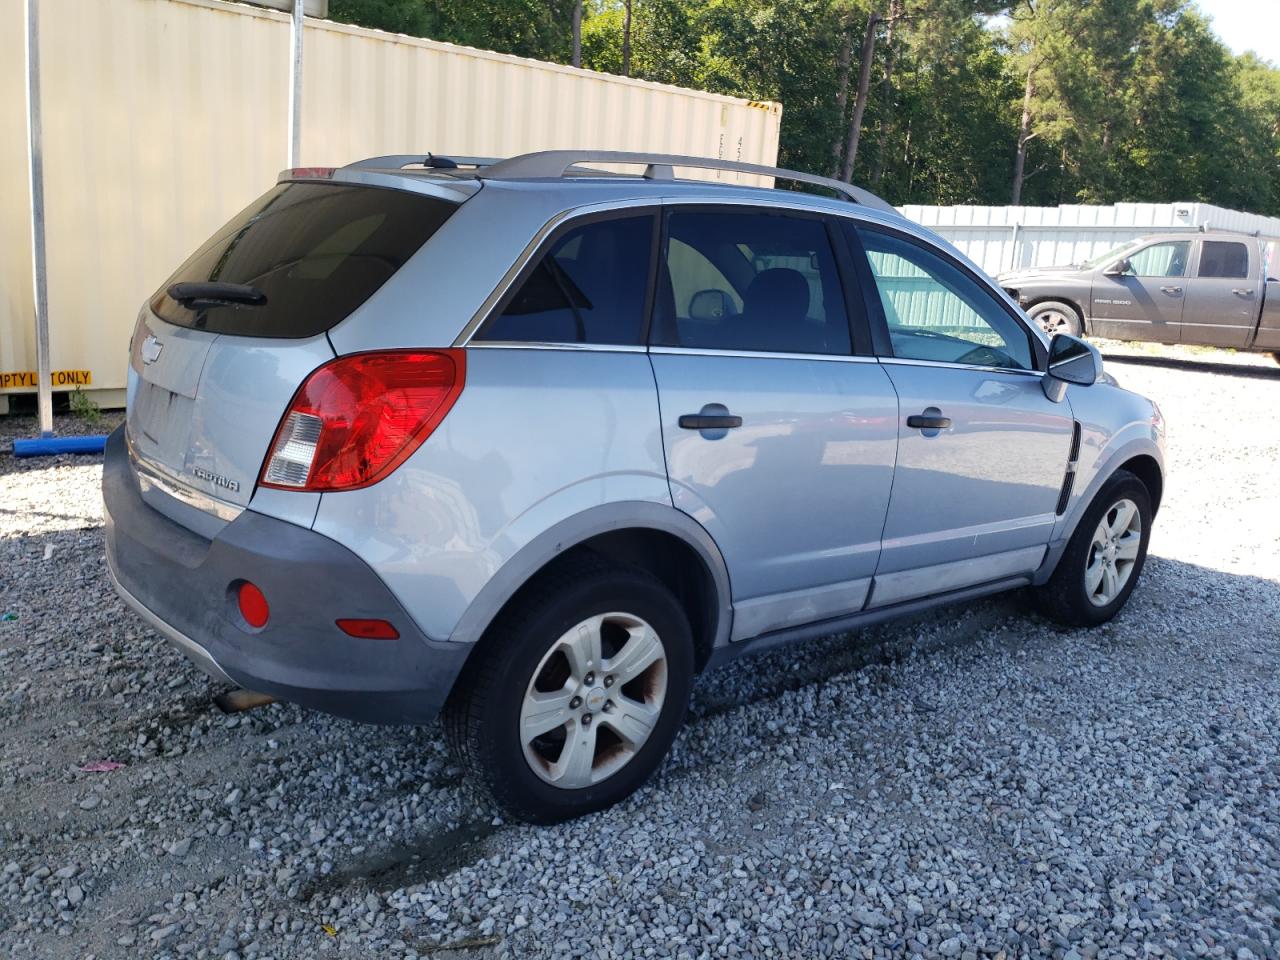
(151, 348)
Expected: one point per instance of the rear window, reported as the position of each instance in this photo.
(316, 251)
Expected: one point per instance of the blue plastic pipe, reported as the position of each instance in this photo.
(49, 446)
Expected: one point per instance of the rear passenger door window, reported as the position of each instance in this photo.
(935, 311)
(590, 286)
(752, 281)
(1224, 259)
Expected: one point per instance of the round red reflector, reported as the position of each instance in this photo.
(253, 605)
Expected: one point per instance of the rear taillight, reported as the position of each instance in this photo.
(357, 418)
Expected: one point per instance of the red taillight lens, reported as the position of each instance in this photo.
(369, 629)
(253, 605)
(357, 418)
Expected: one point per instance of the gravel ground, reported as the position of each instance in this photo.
(975, 783)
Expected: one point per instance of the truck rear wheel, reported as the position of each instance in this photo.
(1053, 316)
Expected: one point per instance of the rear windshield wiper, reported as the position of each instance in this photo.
(216, 294)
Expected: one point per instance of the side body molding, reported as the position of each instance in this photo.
(606, 518)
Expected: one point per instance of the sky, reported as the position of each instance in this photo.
(1247, 25)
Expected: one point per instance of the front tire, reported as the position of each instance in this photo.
(576, 692)
(1104, 558)
(1056, 317)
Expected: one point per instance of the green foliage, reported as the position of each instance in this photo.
(83, 407)
(1132, 99)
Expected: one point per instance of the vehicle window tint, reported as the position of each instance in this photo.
(1224, 258)
(588, 288)
(1161, 259)
(935, 311)
(743, 280)
(316, 251)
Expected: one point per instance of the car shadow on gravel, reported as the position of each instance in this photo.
(1249, 371)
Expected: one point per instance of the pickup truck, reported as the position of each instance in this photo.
(1209, 289)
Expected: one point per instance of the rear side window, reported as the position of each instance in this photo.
(1224, 258)
(744, 280)
(316, 251)
(589, 287)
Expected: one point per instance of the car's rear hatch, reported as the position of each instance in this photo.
(222, 347)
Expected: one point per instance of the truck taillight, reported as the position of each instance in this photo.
(357, 418)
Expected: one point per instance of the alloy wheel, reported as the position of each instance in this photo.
(1113, 554)
(1055, 321)
(594, 699)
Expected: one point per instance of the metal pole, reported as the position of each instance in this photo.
(295, 86)
(44, 376)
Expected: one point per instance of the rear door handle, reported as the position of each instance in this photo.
(705, 421)
(1174, 290)
(928, 421)
(713, 421)
(1239, 292)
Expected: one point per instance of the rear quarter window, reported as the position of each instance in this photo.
(317, 251)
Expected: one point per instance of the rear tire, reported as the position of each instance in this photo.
(599, 655)
(1104, 558)
(1054, 316)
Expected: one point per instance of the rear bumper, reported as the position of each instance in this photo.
(181, 584)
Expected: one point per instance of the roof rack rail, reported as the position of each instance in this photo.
(436, 161)
(552, 164)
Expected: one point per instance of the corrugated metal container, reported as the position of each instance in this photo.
(162, 118)
(1005, 238)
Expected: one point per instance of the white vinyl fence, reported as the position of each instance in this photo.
(1007, 238)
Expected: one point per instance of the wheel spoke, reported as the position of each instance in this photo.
(1093, 574)
(1127, 547)
(632, 720)
(1109, 583)
(1124, 514)
(582, 646)
(544, 712)
(573, 767)
(641, 651)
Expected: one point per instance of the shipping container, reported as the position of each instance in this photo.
(163, 118)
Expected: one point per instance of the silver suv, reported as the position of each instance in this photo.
(531, 445)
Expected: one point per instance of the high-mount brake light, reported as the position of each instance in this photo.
(357, 418)
(309, 173)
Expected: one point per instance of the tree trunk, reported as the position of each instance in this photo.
(886, 93)
(577, 33)
(1024, 135)
(860, 102)
(626, 38)
(842, 92)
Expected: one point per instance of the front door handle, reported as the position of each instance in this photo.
(713, 421)
(1172, 290)
(931, 419)
(1240, 292)
(703, 421)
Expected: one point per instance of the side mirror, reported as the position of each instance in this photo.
(1123, 268)
(1071, 360)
